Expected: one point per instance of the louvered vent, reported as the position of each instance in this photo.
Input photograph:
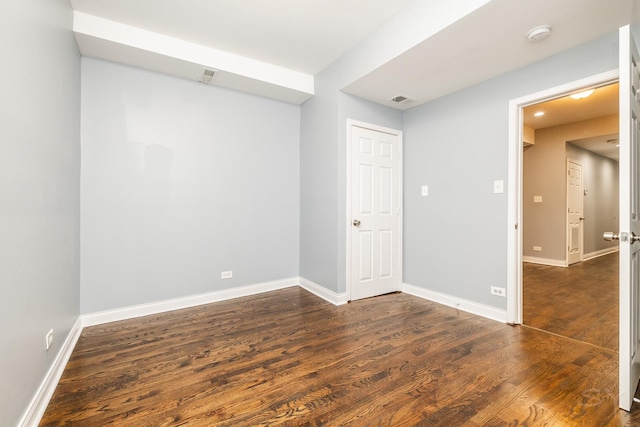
(399, 98)
(208, 74)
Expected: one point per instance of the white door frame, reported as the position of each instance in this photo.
(514, 187)
(567, 227)
(355, 123)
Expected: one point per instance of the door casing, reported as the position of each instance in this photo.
(355, 123)
(514, 186)
(580, 253)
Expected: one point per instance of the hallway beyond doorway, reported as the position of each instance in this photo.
(579, 301)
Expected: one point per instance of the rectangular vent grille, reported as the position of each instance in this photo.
(399, 98)
(208, 74)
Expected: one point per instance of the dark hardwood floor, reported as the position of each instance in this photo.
(289, 358)
(579, 301)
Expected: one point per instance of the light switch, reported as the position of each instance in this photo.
(537, 199)
(498, 186)
(425, 190)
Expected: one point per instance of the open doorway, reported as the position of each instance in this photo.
(569, 199)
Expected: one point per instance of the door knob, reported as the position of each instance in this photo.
(622, 237)
(356, 222)
(581, 218)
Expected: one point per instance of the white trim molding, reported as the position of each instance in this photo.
(38, 405)
(134, 311)
(601, 252)
(514, 181)
(322, 292)
(459, 303)
(545, 261)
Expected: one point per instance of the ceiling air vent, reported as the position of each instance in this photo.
(208, 74)
(399, 99)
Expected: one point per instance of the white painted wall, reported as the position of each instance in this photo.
(181, 181)
(39, 194)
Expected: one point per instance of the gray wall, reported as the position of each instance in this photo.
(181, 181)
(318, 186)
(323, 167)
(455, 240)
(39, 194)
(600, 180)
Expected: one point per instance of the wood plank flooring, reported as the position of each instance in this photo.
(579, 301)
(289, 358)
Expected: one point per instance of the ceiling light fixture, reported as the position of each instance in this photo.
(582, 95)
(539, 33)
(539, 114)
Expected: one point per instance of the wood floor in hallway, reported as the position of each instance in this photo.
(579, 301)
(290, 358)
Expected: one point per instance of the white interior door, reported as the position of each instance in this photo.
(575, 206)
(629, 219)
(375, 213)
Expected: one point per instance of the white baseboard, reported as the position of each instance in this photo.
(322, 292)
(41, 399)
(601, 252)
(545, 261)
(184, 302)
(459, 303)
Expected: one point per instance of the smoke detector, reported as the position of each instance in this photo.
(539, 33)
(208, 74)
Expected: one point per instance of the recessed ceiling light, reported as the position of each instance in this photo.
(582, 95)
(539, 114)
(539, 33)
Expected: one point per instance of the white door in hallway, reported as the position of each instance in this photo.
(374, 220)
(575, 203)
(629, 369)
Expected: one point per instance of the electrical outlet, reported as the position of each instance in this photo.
(537, 248)
(424, 190)
(501, 292)
(226, 275)
(48, 340)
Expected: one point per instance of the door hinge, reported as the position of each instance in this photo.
(516, 225)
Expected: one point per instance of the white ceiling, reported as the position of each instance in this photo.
(602, 102)
(604, 145)
(561, 111)
(303, 35)
(299, 38)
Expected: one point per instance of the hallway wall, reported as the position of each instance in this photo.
(544, 174)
